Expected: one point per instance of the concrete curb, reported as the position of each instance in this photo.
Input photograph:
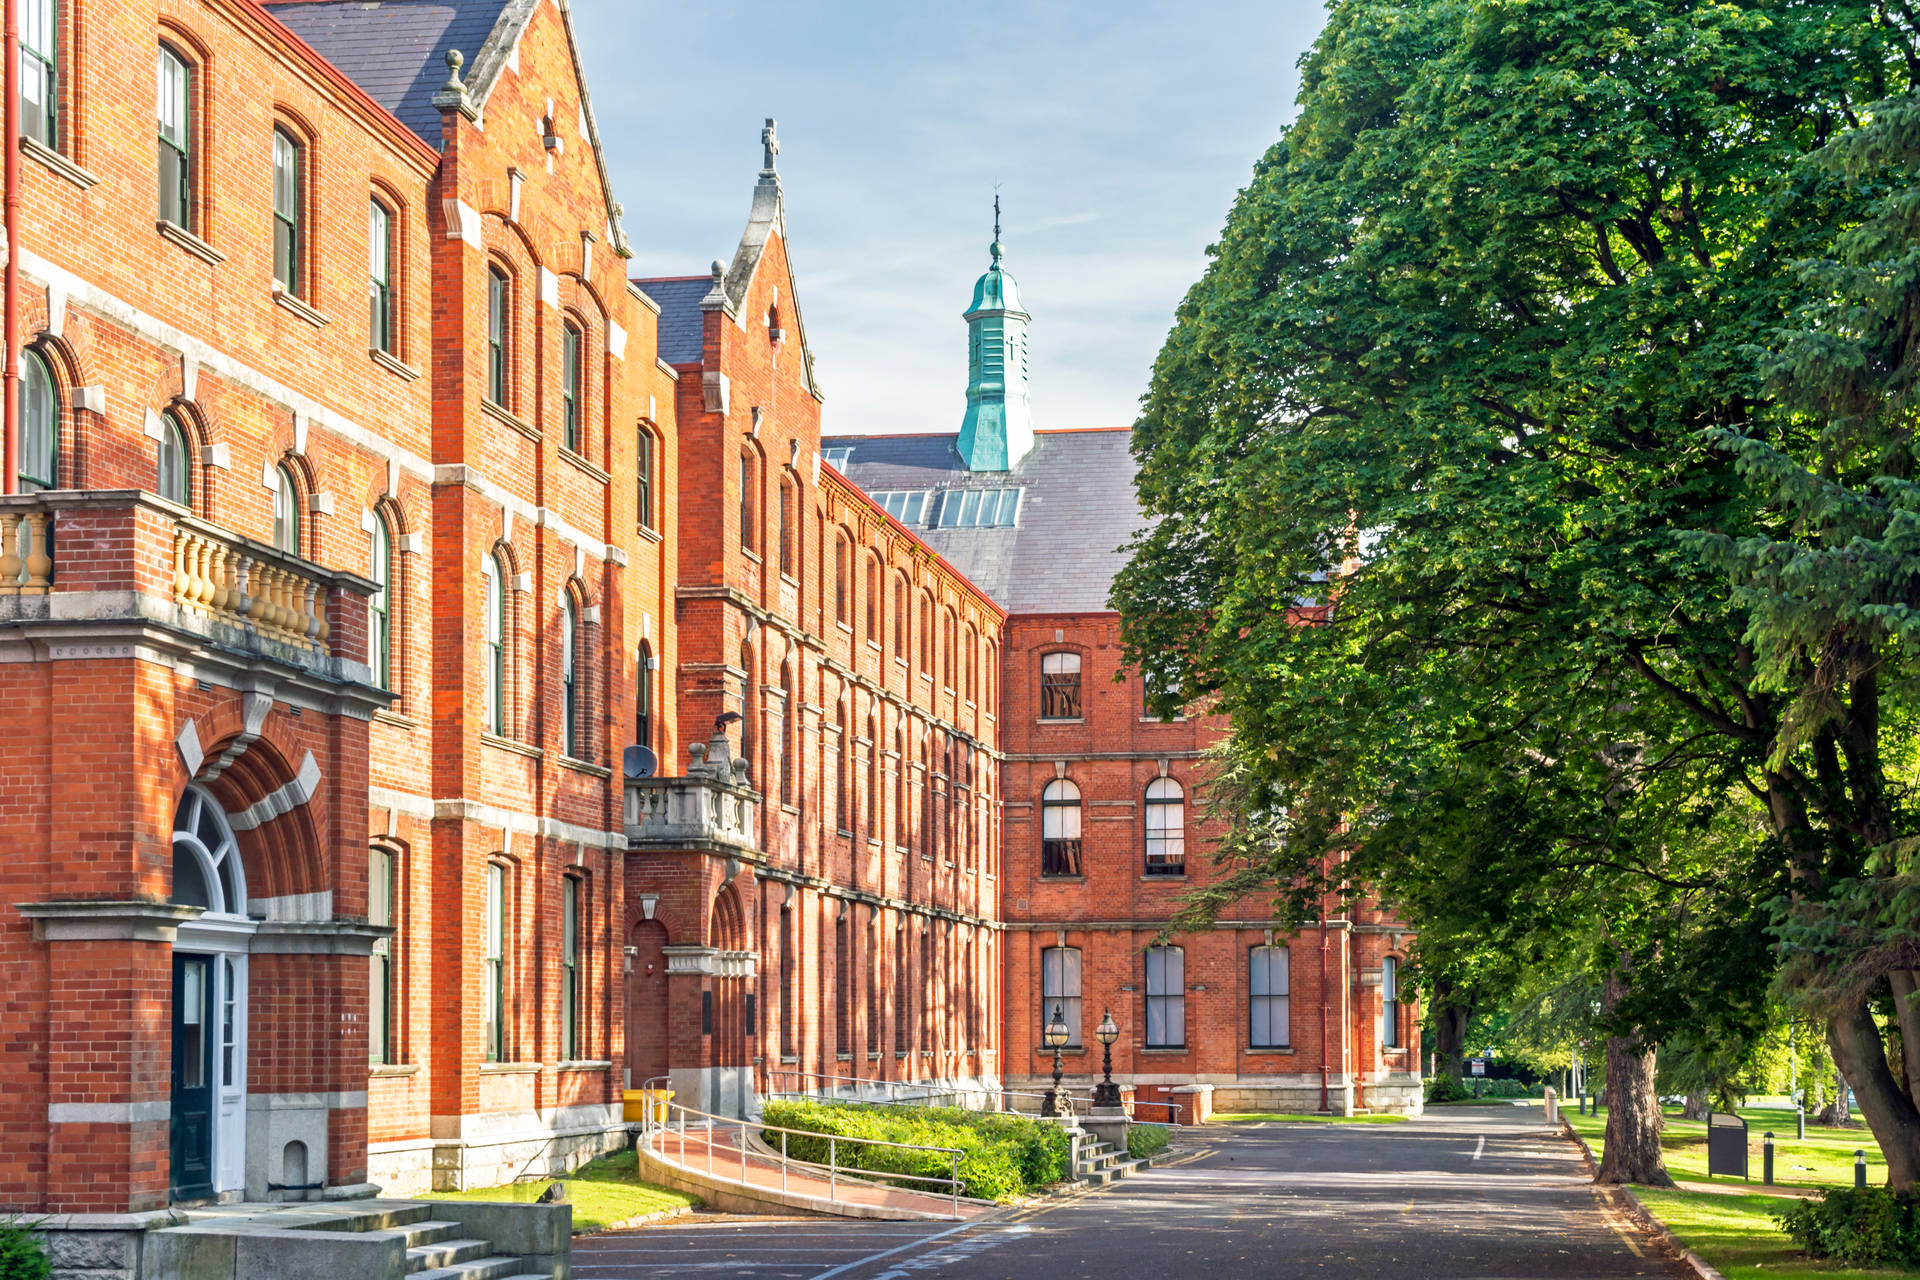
(641, 1220)
(1643, 1215)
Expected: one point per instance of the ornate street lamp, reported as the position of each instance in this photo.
(1054, 1036)
(1107, 1093)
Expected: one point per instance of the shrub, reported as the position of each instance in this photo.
(21, 1257)
(1146, 1140)
(1858, 1227)
(1001, 1155)
(1446, 1089)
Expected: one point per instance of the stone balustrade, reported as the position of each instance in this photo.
(245, 585)
(712, 807)
(26, 552)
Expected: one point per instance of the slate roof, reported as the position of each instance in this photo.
(1076, 513)
(682, 323)
(395, 49)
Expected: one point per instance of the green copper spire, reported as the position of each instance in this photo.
(998, 429)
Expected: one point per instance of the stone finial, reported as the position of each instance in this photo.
(455, 60)
(719, 273)
(769, 149)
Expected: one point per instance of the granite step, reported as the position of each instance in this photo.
(446, 1253)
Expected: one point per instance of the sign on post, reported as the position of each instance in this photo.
(1726, 1145)
(1479, 1065)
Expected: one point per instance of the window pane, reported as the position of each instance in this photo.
(173, 461)
(39, 431)
(286, 211)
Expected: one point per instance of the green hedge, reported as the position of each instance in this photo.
(1002, 1155)
(1858, 1227)
(1146, 1140)
(21, 1257)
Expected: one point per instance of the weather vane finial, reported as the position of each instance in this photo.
(996, 214)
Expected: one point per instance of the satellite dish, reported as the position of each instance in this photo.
(641, 762)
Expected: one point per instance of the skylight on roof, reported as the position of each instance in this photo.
(907, 506)
(978, 508)
(838, 458)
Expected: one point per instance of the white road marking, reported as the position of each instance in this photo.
(1481, 1146)
(888, 1253)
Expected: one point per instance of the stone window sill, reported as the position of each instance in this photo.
(1286, 1050)
(788, 1058)
(395, 719)
(1164, 876)
(508, 1068)
(585, 1064)
(299, 308)
(584, 766)
(843, 1057)
(503, 414)
(1167, 1051)
(581, 462)
(1050, 720)
(392, 1070)
(1062, 879)
(392, 364)
(751, 554)
(647, 532)
(1066, 1051)
(58, 163)
(508, 744)
(192, 243)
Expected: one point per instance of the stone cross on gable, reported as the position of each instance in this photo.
(769, 146)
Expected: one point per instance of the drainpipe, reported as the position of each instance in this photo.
(10, 455)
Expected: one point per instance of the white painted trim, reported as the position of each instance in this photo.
(285, 799)
(486, 815)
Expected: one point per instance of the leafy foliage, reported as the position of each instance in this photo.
(1146, 1140)
(1862, 1227)
(1003, 1155)
(21, 1257)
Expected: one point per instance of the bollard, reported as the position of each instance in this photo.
(1800, 1123)
(1860, 1170)
(1766, 1159)
(1583, 1102)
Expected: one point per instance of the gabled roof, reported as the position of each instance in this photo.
(1077, 511)
(682, 323)
(396, 51)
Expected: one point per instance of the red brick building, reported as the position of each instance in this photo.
(321, 611)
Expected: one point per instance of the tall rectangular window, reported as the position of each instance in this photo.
(902, 994)
(39, 72)
(1060, 686)
(286, 212)
(497, 297)
(494, 1024)
(1166, 998)
(1268, 1005)
(570, 384)
(380, 980)
(379, 277)
(1060, 989)
(789, 992)
(842, 990)
(569, 686)
(380, 605)
(176, 134)
(746, 502)
(643, 697)
(643, 478)
(569, 969)
(786, 527)
(495, 645)
(1390, 1003)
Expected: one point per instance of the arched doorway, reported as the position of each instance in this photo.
(207, 1130)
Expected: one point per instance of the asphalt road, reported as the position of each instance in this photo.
(1464, 1193)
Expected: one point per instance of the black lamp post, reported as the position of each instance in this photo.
(1107, 1093)
(1054, 1036)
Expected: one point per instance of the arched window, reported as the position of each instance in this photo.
(900, 790)
(1390, 1003)
(900, 611)
(288, 240)
(39, 426)
(948, 649)
(926, 634)
(749, 708)
(643, 478)
(380, 604)
(643, 696)
(874, 603)
(1060, 989)
(494, 642)
(172, 469)
(493, 1027)
(175, 130)
(1060, 829)
(569, 968)
(1166, 828)
(789, 733)
(990, 679)
(1060, 687)
(876, 796)
(789, 990)
(286, 511)
(379, 277)
(569, 684)
(968, 652)
(843, 815)
(747, 533)
(39, 73)
(842, 990)
(902, 993)
(842, 580)
(789, 526)
(1271, 1025)
(1166, 998)
(382, 868)
(570, 346)
(206, 858)
(499, 299)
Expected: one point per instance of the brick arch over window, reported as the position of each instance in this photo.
(275, 801)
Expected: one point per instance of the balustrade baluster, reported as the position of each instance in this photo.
(11, 562)
(220, 570)
(180, 564)
(39, 555)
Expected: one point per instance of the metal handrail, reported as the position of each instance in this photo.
(928, 1091)
(652, 1129)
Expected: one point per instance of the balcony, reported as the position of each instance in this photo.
(711, 808)
(86, 567)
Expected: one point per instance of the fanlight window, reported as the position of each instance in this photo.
(206, 861)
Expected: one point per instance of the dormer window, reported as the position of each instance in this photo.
(905, 505)
(978, 508)
(838, 458)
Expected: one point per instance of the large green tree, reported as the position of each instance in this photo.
(1465, 447)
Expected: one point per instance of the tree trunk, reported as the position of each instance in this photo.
(1450, 1022)
(1906, 1010)
(1633, 1117)
(1858, 1053)
(1697, 1106)
(1836, 1111)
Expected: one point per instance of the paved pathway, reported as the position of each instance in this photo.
(1464, 1194)
(719, 1153)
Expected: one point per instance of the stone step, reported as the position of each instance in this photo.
(429, 1232)
(446, 1253)
(496, 1268)
(383, 1219)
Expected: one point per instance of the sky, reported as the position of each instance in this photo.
(1119, 135)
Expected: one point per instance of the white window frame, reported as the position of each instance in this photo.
(1166, 1003)
(1269, 997)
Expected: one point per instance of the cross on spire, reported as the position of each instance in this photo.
(769, 147)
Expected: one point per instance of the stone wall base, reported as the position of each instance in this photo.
(518, 1153)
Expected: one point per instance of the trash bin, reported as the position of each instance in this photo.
(644, 1105)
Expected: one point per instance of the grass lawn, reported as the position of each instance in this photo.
(1275, 1117)
(1825, 1159)
(604, 1194)
(1737, 1234)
